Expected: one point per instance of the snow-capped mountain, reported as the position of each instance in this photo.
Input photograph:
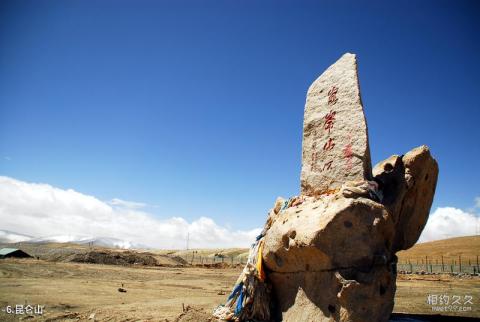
(12, 237)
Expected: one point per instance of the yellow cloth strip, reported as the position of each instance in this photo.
(261, 272)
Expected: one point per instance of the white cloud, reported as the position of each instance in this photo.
(477, 202)
(42, 210)
(127, 204)
(448, 222)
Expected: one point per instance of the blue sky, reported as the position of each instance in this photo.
(195, 107)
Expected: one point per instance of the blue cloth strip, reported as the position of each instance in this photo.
(239, 307)
(236, 289)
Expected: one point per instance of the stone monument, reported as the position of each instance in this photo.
(329, 254)
(335, 138)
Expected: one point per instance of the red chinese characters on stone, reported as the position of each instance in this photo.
(332, 95)
(327, 165)
(329, 121)
(328, 145)
(319, 167)
(315, 156)
(348, 153)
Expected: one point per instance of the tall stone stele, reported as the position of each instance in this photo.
(332, 257)
(335, 138)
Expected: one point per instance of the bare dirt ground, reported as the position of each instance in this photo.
(90, 292)
(413, 293)
(80, 290)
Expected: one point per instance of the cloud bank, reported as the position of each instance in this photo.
(448, 222)
(41, 210)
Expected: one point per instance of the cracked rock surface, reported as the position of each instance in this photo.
(333, 256)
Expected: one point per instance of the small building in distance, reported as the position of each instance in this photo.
(13, 252)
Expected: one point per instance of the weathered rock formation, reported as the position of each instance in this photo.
(330, 254)
(335, 138)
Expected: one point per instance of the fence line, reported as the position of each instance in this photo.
(439, 264)
(195, 259)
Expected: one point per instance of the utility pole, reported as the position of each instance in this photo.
(188, 239)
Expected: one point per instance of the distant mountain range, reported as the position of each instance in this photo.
(7, 236)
